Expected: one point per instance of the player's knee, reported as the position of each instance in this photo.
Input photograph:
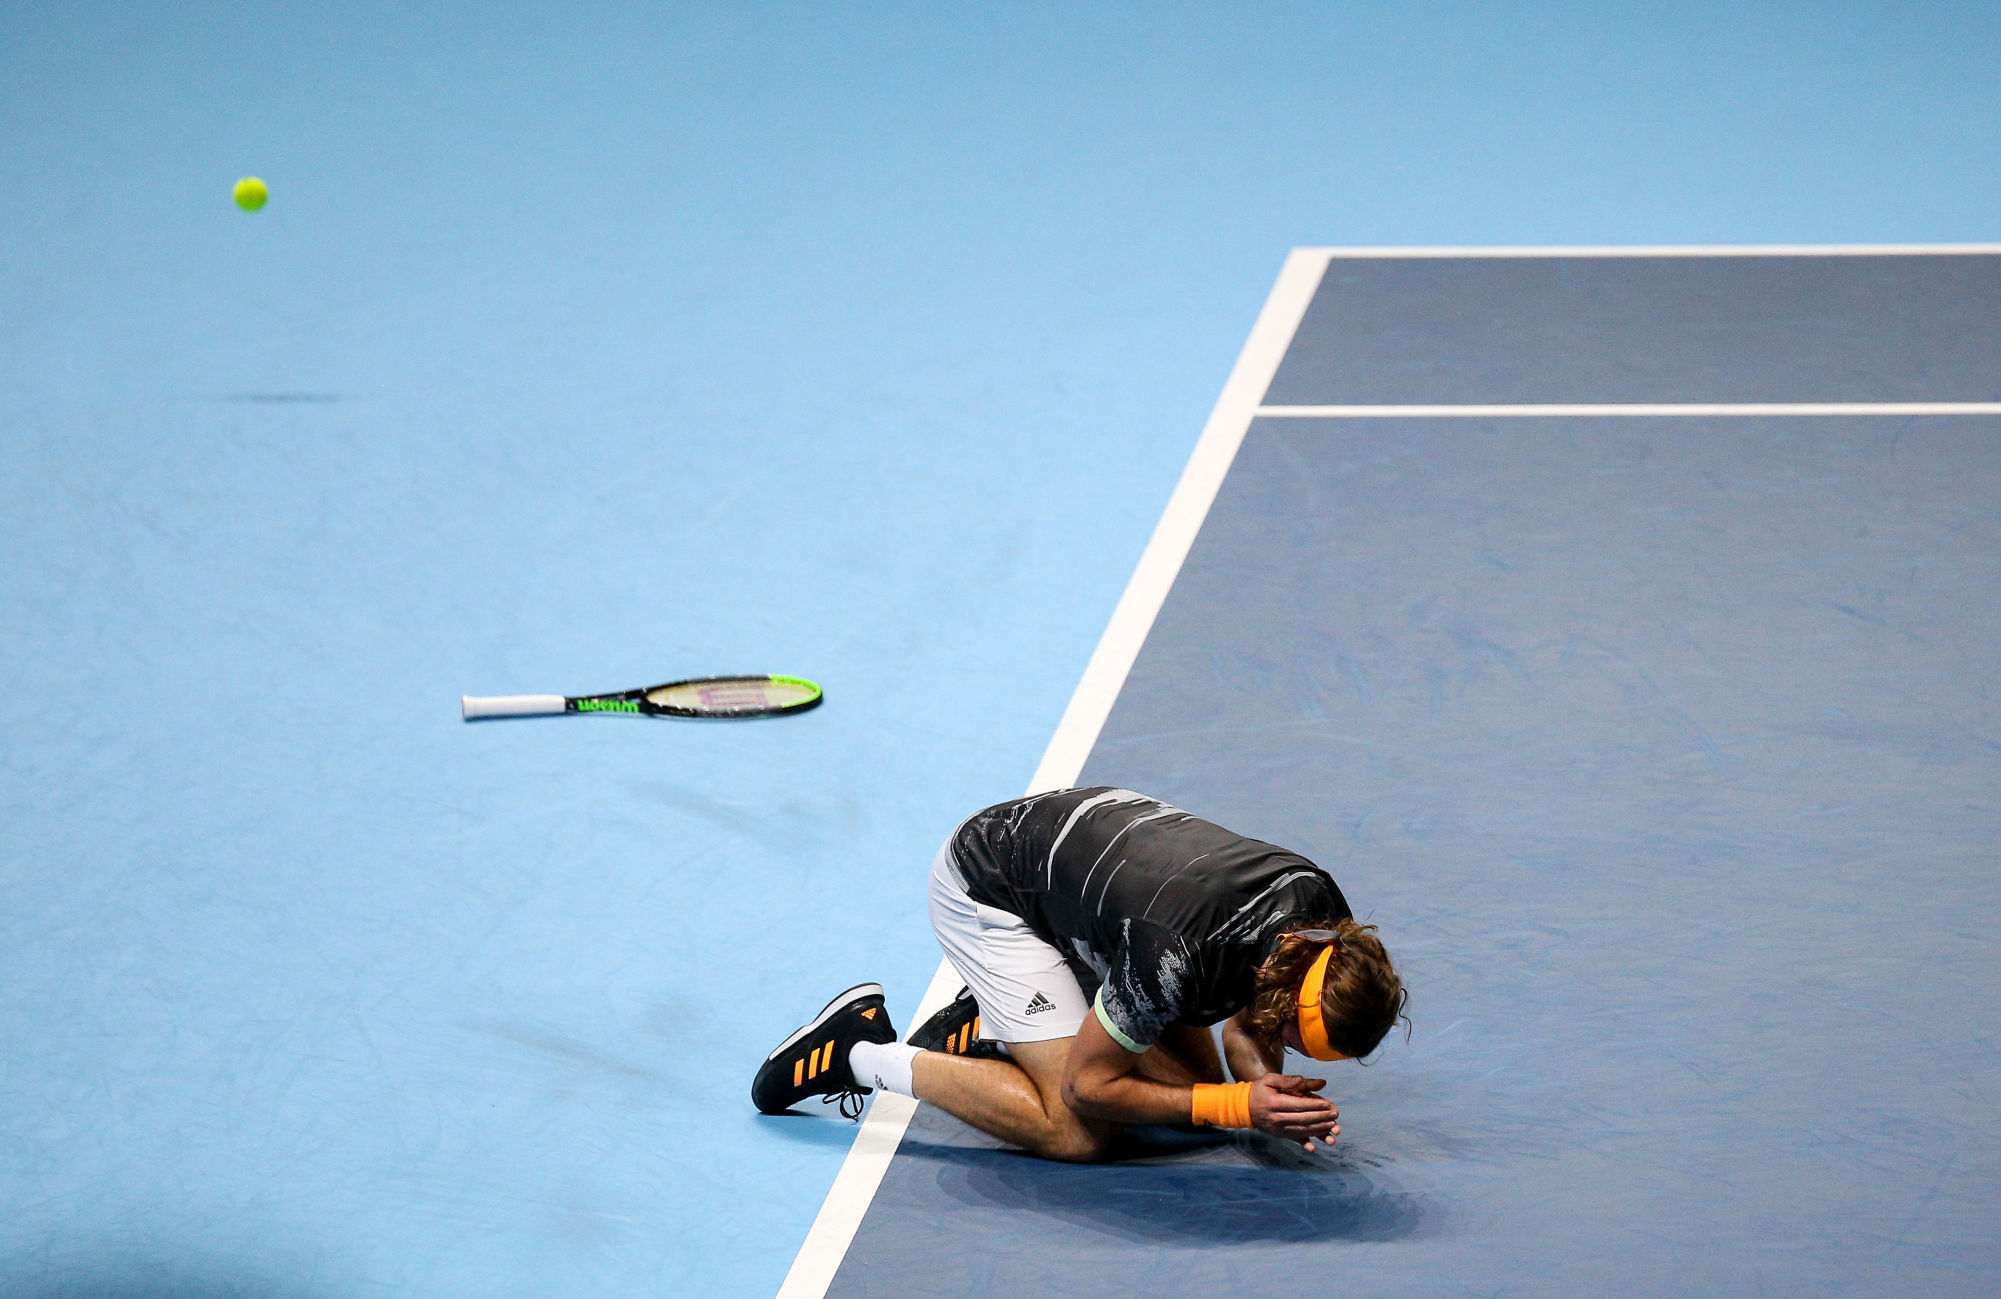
(1074, 1139)
(1075, 1144)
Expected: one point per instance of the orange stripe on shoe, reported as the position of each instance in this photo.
(798, 1072)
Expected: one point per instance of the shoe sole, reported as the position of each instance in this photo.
(827, 1012)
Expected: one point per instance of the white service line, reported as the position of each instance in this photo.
(875, 1145)
(1727, 409)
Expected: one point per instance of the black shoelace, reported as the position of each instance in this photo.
(850, 1100)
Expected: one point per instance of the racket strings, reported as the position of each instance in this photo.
(721, 698)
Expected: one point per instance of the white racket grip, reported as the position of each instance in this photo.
(473, 707)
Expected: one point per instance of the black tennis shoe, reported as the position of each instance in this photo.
(955, 1030)
(814, 1060)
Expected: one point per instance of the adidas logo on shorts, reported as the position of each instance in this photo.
(1039, 1003)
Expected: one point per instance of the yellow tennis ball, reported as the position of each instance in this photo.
(251, 193)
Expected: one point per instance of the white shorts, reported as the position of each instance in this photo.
(1026, 990)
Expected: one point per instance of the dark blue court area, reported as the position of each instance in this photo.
(1664, 750)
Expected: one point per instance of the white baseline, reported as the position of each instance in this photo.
(875, 1145)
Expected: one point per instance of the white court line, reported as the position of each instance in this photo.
(868, 1159)
(1638, 408)
(1669, 250)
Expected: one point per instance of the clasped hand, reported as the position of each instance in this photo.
(1289, 1106)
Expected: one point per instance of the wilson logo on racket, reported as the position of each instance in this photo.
(607, 705)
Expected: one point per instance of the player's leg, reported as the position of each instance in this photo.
(1025, 995)
(1019, 1100)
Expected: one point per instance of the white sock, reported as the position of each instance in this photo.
(885, 1066)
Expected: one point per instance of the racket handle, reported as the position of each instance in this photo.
(472, 707)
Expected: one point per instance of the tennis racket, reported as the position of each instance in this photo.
(697, 697)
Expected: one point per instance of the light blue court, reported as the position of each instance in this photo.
(582, 347)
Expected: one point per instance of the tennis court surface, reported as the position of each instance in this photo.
(1619, 627)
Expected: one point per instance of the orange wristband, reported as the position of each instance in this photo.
(1222, 1105)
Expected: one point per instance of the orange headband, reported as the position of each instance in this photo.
(1312, 1029)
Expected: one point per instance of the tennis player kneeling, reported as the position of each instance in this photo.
(1100, 933)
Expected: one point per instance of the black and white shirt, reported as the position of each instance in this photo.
(1166, 914)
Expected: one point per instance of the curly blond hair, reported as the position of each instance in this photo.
(1360, 1002)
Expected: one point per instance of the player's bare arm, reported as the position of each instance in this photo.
(1103, 1081)
(1249, 1055)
